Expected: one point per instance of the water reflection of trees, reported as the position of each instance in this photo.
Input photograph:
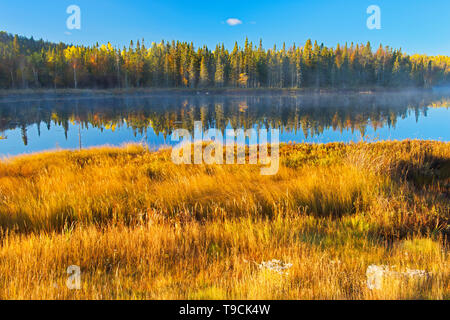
(310, 114)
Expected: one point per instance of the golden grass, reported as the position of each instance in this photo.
(141, 227)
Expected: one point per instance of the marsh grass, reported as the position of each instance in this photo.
(141, 227)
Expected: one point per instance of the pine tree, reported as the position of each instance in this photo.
(26, 62)
(204, 74)
(220, 73)
(193, 73)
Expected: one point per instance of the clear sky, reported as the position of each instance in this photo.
(416, 26)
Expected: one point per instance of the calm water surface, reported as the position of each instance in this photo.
(32, 125)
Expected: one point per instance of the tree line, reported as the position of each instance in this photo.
(27, 63)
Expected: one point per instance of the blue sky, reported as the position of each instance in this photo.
(417, 26)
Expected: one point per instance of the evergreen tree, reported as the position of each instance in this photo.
(220, 73)
(26, 62)
(204, 73)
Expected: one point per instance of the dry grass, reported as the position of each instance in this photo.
(140, 226)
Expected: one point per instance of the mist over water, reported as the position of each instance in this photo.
(32, 124)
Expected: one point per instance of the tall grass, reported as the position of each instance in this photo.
(140, 226)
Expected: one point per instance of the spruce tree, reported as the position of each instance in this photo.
(204, 74)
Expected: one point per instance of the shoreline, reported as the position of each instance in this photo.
(167, 148)
(118, 92)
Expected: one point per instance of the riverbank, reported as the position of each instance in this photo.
(46, 94)
(141, 227)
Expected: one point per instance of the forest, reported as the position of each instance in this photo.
(28, 63)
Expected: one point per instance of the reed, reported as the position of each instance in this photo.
(141, 227)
